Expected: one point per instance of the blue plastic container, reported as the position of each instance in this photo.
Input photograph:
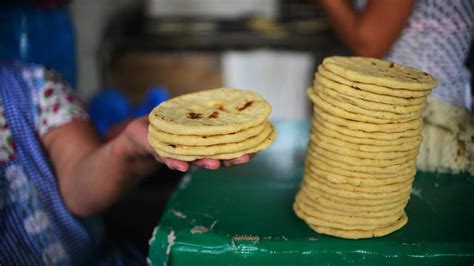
(110, 107)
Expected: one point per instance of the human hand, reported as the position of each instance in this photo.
(136, 133)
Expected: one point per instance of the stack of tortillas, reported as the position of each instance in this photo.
(361, 159)
(219, 124)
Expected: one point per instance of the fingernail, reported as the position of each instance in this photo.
(239, 162)
(210, 167)
(180, 169)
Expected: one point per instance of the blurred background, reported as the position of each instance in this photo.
(123, 57)
(134, 46)
(268, 46)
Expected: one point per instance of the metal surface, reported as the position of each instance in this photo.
(243, 216)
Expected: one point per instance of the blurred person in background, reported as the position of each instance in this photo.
(434, 36)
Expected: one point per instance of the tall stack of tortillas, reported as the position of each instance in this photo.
(361, 159)
(219, 124)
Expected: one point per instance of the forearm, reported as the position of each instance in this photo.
(343, 20)
(105, 174)
(92, 175)
(371, 32)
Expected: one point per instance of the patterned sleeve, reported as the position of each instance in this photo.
(53, 99)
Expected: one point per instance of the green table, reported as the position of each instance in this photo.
(243, 216)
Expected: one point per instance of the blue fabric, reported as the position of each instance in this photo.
(35, 226)
(39, 35)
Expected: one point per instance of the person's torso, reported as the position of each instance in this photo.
(437, 39)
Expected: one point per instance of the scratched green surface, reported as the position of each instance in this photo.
(243, 216)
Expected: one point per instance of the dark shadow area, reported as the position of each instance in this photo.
(133, 218)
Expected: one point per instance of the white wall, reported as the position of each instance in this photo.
(281, 77)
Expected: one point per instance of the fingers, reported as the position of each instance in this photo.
(204, 163)
(184, 166)
(174, 164)
(236, 161)
(208, 163)
(215, 164)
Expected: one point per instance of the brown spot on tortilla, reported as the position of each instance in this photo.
(391, 65)
(214, 115)
(219, 106)
(192, 115)
(172, 145)
(246, 105)
(357, 88)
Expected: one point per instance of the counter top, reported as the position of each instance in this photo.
(243, 216)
